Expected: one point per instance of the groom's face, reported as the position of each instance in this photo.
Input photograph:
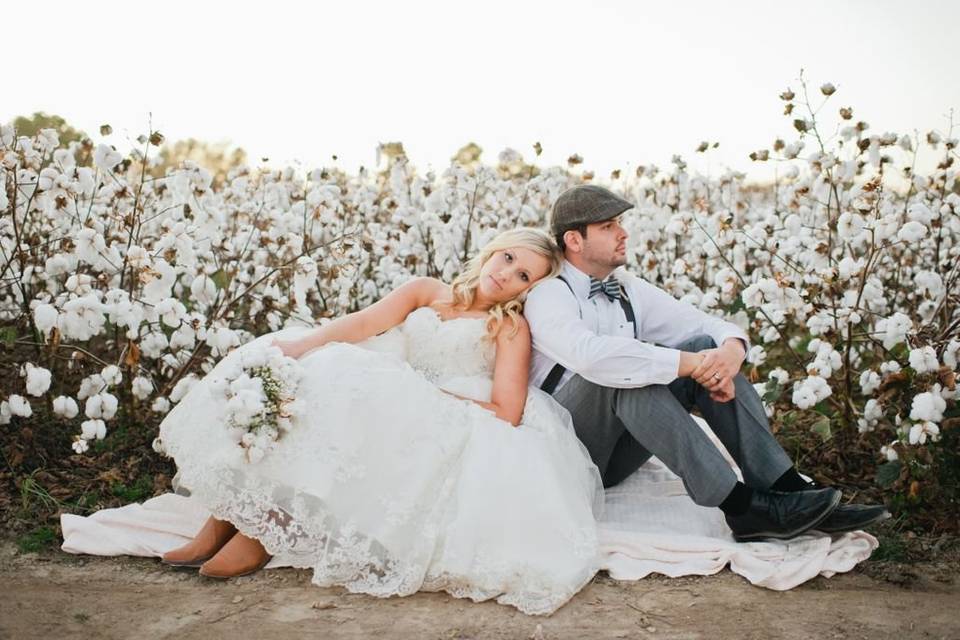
(605, 244)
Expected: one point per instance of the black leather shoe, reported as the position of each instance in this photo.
(852, 517)
(776, 514)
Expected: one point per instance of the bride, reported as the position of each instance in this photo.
(425, 463)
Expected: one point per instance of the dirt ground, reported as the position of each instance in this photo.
(56, 595)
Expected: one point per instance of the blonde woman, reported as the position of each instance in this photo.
(426, 462)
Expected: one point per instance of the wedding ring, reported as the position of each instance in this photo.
(716, 375)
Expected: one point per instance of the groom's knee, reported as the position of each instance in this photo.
(642, 401)
(698, 343)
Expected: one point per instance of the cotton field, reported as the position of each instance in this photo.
(119, 287)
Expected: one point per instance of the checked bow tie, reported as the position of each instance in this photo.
(609, 287)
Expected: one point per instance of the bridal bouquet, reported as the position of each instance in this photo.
(262, 406)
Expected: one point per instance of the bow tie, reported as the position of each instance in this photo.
(609, 287)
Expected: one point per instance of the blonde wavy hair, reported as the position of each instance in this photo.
(465, 284)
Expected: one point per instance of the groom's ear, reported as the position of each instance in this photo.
(572, 241)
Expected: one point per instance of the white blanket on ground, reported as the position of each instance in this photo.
(650, 526)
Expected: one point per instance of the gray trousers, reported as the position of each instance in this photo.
(622, 428)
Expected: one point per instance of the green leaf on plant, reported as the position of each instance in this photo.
(822, 428)
(220, 279)
(773, 392)
(888, 473)
(8, 335)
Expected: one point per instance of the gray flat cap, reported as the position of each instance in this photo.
(585, 204)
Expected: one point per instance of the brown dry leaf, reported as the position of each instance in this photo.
(133, 355)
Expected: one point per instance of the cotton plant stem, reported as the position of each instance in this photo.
(743, 282)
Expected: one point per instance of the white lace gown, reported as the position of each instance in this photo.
(393, 486)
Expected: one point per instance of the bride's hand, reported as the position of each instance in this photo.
(291, 348)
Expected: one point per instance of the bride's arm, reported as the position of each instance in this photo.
(511, 371)
(375, 319)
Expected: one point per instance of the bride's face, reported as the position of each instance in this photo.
(510, 272)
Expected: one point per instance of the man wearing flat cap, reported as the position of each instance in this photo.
(629, 361)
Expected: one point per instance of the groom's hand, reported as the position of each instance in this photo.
(719, 367)
(725, 393)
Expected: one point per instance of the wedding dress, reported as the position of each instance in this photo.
(391, 486)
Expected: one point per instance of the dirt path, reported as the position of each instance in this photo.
(61, 596)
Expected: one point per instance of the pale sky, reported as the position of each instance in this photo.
(620, 83)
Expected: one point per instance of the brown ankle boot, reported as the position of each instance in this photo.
(210, 539)
(239, 557)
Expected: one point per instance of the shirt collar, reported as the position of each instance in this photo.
(579, 281)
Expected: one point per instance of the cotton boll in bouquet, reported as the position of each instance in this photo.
(260, 389)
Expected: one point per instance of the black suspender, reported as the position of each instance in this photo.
(553, 378)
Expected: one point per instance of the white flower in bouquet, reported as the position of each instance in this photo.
(261, 399)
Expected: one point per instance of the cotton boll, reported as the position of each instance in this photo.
(170, 311)
(141, 387)
(82, 318)
(779, 375)
(912, 232)
(920, 213)
(6, 414)
(221, 340)
(160, 405)
(848, 267)
(93, 429)
(928, 407)
(19, 406)
(65, 407)
(924, 360)
(38, 379)
(106, 158)
(894, 329)
(950, 354)
(929, 283)
(757, 355)
(891, 366)
(45, 318)
(869, 382)
(102, 405)
(203, 289)
(921, 431)
(153, 344)
(111, 375)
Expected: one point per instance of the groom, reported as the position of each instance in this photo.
(629, 361)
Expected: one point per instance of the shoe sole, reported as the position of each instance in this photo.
(192, 565)
(237, 575)
(880, 518)
(783, 535)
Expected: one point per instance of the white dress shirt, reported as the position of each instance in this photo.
(592, 337)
